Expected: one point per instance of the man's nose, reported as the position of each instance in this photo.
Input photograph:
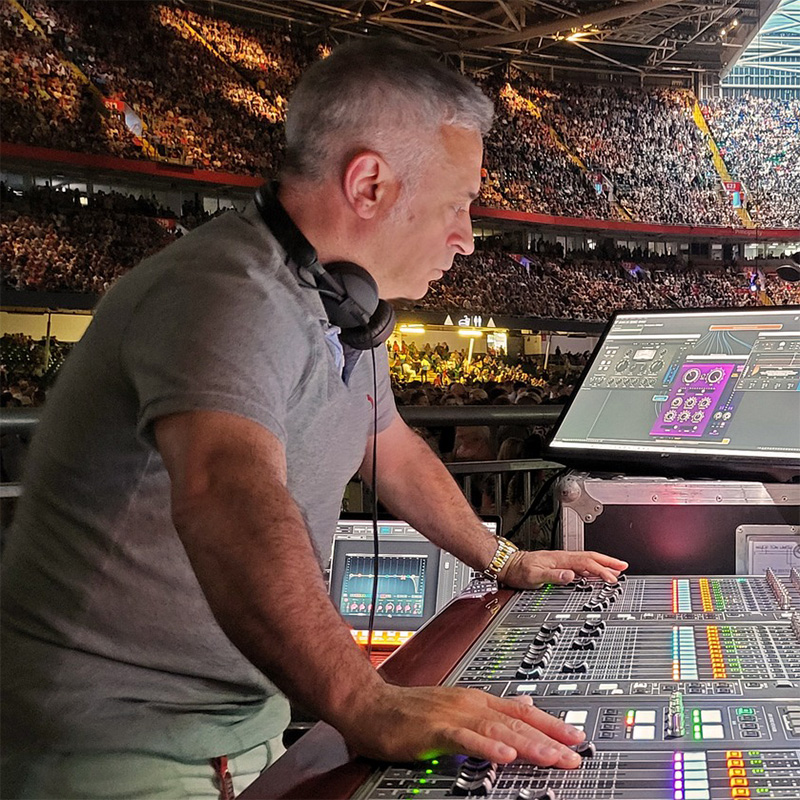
(462, 238)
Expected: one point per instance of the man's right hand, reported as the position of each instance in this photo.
(414, 723)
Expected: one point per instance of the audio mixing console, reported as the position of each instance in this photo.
(687, 688)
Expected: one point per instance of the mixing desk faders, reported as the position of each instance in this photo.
(687, 688)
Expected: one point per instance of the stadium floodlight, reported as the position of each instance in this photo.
(790, 270)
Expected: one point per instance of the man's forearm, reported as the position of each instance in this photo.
(417, 487)
(266, 590)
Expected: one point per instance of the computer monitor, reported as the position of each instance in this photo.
(415, 577)
(703, 393)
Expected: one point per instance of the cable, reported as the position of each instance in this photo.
(375, 543)
(533, 507)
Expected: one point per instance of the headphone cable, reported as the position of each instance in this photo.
(375, 544)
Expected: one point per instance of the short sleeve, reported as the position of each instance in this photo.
(387, 410)
(212, 342)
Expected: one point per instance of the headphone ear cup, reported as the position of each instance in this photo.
(357, 293)
(379, 329)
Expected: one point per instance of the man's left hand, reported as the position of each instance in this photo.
(530, 569)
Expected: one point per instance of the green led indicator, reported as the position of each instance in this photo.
(758, 771)
(423, 780)
(745, 711)
(435, 763)
(429, 771)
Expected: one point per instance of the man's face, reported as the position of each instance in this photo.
(428, 229)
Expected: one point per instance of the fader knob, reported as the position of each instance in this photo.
(526, 793)
(583, 643)
(534, 673)
(476, 765)
(574, 666)
(551, 627)
(586, 749)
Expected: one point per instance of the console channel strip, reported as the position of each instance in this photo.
(686, 688)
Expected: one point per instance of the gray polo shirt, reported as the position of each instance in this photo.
(108, 641)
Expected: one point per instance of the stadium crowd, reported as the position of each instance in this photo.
(67, 241)
(28, 368)
(212, 94)
(577, 286)
(44, 103)
(50, 242)
(759, 139)
(648, 146)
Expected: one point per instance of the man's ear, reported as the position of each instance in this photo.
(369, 184)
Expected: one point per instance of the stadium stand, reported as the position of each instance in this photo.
(759, 138)
(211, 94)
(51, 241)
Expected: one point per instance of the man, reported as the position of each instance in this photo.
(162, 589)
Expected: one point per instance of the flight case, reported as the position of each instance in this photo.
(663, 526)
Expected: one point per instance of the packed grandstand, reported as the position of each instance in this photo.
(173, 85)
(153, 92)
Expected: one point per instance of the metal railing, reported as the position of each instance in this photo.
(498, 474)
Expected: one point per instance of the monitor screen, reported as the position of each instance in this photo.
(415, 577)
(709, 392)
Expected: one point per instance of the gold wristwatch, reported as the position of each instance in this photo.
(505, 550)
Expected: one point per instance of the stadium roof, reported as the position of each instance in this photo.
(643, 38)
(773, 51)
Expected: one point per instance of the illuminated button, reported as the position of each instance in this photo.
(576, 717)
(713, 732)
(697, 794)
(696, 784)
(711, 715)
(645, 717)
(644, 732)
(567, 688)
(695, 771)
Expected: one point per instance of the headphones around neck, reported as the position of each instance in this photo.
(348, 292)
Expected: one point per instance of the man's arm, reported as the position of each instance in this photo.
(415, 485)
(248, 545)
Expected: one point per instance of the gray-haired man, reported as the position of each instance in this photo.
(162, 594)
